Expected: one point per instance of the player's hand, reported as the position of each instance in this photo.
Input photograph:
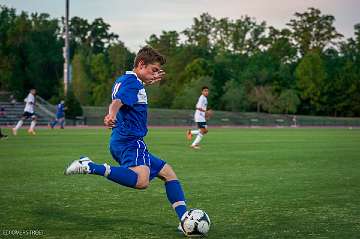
(109, 121)
(208, 114)
(157, 77)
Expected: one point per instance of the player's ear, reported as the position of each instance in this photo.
(141, 64)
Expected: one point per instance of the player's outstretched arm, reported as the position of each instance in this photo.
(110, 118)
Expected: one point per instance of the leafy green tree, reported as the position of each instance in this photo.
(102, 84)
(30, 53)
(313, 31)
(200, 32)
(81, 78)
(73, 107)
(188, 97)
(235, 97)
(100, 37)
(120, 59)
(288, 101)
(310, 74)
(264, 98)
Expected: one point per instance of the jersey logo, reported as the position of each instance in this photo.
(142, 97)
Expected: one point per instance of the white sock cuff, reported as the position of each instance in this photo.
(19, 124)
(178, 203)
(32, 125)
(195, 132)
(107, 170)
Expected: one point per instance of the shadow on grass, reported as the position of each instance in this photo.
(56, 220)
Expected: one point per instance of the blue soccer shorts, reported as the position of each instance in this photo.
(131, 153)
(201, 125)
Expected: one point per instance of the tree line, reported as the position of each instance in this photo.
(305, 68)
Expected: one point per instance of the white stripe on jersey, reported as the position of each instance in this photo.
(116, 89)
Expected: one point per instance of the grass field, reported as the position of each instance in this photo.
(254, 183)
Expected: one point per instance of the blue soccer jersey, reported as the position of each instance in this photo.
(126, 144)
(131, 120)
(60, 111)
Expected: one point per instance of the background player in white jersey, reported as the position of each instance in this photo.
(28, 113)
(200, 117)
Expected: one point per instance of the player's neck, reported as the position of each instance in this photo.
(136, 71)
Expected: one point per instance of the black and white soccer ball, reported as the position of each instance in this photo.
(195, 222)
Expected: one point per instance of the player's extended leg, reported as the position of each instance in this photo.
(174, 190)
(53, 123)
(135, 161)
(31, 129)
(190, 133)
(62, 123)
(18, 125)
(202, 132)
(121, 175)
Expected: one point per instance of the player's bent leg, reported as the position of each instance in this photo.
(167, 173)
(195, 144)
(143, 173)
(53, 123)
(18, 125)
(204, 130)
(120, 175)
(31, 129)
(62, 123)
(174, 190)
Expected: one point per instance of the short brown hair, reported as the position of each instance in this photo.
(149, 56)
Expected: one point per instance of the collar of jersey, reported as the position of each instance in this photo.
(133, 73)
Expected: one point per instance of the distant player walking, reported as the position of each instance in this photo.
(201, 114)
(127, 118)
(28, 113)
(60, 115)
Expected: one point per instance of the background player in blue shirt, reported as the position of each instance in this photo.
(128, 119)
(60, 115)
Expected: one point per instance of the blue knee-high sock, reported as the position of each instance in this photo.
(120, 175)
(123, 176)
(62, 123)
(53, 123)
(176, 197)
(98, 169)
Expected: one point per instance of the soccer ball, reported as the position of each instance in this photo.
(195, 222)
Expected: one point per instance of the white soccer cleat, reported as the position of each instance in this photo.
(180, 229)
(196, 146)
(80, 166)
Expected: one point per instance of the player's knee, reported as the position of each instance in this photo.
(143, 173)
(167, 173)
(142, 183)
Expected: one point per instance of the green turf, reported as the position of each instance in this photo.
(254, 183)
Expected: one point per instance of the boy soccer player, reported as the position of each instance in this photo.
(200, 119)
(60, 115)
(28, 113)
(128, 119)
